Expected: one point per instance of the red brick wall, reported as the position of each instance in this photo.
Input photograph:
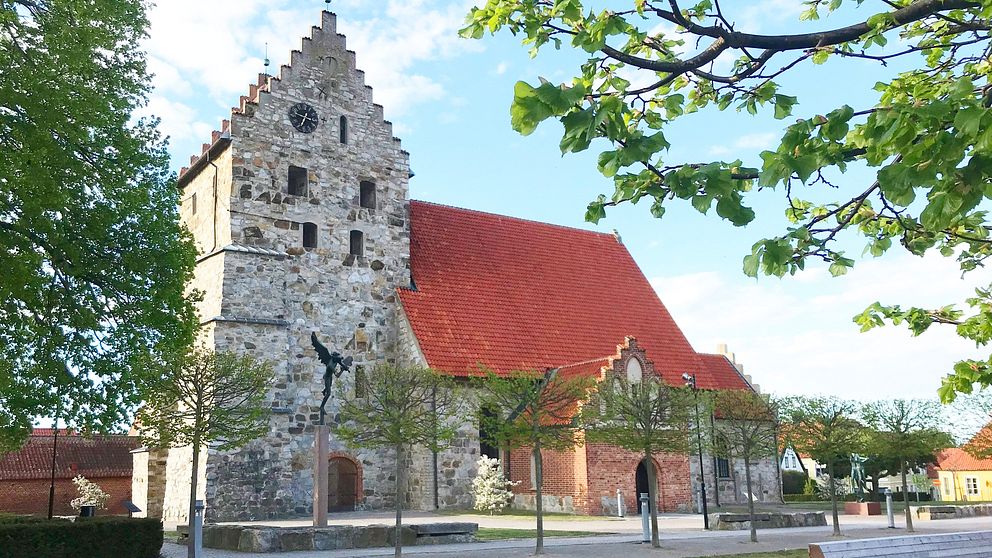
(31, 496)
(611, 468)
(596, 470)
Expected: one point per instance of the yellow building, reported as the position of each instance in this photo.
(962, 477)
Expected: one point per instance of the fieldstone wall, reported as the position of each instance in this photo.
(765, 484)
(742, 521)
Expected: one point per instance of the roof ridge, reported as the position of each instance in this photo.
(523, 219)
(584, 362)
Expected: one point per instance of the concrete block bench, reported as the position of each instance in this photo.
(952, 512)
(742, 521)
(975, 544)
(263, 538)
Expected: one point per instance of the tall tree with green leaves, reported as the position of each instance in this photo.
(534, 410)
(204, 397)
(646, 416)
(746, 428)
(827, 429)
(94, 261)
(907, 430)
(926, 134)
(400, 407)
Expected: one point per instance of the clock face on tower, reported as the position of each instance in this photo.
(303, 117)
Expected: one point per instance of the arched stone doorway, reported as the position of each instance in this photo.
(641, 482)
(344, 481)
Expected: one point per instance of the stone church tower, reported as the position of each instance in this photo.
(299, 208)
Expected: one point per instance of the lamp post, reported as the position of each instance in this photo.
(690, 381)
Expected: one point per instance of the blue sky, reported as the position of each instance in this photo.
(449, 101)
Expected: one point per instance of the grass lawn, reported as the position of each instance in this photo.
(496, 534)
(780, 554)
(516, 514)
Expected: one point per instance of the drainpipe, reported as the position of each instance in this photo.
(211, 163)
(437, 500)
(716, 472)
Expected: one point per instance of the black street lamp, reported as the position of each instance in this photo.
(690, 381)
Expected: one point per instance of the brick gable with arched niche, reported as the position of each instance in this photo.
(586, 479)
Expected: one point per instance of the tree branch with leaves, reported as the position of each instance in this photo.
(927, 136)
(908, 431)
(827, 429)
(746, 429)
(534, 410)
(647, 417)
(95, 261)
(205, 398)
(401, 407)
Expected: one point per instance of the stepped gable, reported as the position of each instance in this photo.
(248, 104)
(510, 294)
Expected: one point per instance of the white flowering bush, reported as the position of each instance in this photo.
(490, 488)
(90, 494)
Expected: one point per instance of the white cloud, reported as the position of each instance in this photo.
(747, 142)
(501, 68)
(796, 335)
(211, 51)
(178, 121)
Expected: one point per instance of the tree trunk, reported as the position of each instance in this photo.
(400, 496)
(832, 487)
(539, 480)
(191, 547)
(905, 497)
(652, 498)
(750, 498)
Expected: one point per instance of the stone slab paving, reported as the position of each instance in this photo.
(679, 540)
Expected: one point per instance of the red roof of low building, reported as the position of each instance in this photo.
(506, 294)
(957, 459)
(96, 457)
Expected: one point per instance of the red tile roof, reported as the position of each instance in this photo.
(96, 457)
(511, 294)
(720, 370)
(957, 459)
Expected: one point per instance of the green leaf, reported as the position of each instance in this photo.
(783, 105)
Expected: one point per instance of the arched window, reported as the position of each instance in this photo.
(634, 371)
(309, 235)
(366, 197)
(344, 129)
(357, 243)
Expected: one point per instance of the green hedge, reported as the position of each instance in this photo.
(802, 498)
(100, 537)
(793, 482)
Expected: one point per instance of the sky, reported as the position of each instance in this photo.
(449, 101)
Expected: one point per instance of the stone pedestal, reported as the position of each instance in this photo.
(320, 453)
(862, 508)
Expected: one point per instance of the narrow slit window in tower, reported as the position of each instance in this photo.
(309, 235)
(357, 243)
(298, 179)
(192, 203)
(366, 196)
(344, 129)
(361, 382)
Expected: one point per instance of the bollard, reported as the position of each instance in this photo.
(196, 537)
(888, 508)
(620, 505)
(645, 522)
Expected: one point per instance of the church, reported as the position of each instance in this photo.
(300, 210)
